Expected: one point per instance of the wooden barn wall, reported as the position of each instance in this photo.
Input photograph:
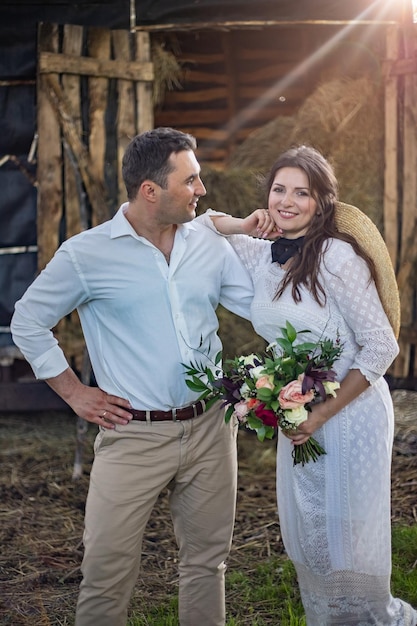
(234, 81)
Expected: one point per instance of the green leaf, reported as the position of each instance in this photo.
(254, 422)
(285, 344)
(196, 385)
(264, 394)
(211, 401)
(291, 332)
(261, 433)
(229, 413)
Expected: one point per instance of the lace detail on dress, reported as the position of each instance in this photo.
(346, 598)
(379, 350)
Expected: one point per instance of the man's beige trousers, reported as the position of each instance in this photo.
(196, 459)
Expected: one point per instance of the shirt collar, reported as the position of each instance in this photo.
(120, 226)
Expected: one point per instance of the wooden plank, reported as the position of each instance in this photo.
(276, 72)
(85, 66)
(217, 117)
(218, 135)
(210, 78)
(259, 75)
(174, 98)
(201, 59)
(99, 48)
(399, 67)
(408, 250)
(126, 122)
(242, 54)
(191, 97)
(289, 92)
(30, 396)
(144, 90)
(209, 154)
(49, 155)
(391, 150)
(72, 44)
(94, 189)
(254, 24)
(230, 71)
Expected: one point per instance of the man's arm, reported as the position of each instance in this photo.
(55, 292)
(90, 403)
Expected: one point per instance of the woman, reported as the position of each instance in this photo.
(334, 513)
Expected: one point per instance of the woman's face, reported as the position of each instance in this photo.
(290, 203)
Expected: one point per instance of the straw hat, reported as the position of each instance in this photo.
(353, 221)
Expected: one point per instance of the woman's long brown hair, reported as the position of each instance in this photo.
(304, 268)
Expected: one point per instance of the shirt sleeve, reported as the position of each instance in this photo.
(56, 292)
(237, 291)
(358, 301)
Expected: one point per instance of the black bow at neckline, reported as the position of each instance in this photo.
(283, 249)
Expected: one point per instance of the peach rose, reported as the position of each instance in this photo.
(291, 396)
(266, 381)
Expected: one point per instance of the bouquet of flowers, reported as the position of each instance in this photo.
(276, 389)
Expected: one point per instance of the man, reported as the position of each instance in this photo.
(146, 285)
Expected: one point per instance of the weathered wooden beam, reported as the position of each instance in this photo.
(126, 119)
(144, 90)
(95, 190)
(399, 67)
(72, 44)
(99, 48)
(86, 66)
(254, 24)
(49, 160)
(391, 233)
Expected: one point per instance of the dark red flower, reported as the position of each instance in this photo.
(267, 416)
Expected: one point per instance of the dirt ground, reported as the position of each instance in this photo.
(41, 515)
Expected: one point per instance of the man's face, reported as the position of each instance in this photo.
(178, 202)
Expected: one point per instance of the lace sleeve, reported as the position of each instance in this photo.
(359, 304)
(247, 248)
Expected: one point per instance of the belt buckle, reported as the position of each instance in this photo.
(174, 415)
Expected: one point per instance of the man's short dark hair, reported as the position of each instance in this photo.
(147, 157)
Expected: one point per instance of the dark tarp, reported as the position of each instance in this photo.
(18, 55)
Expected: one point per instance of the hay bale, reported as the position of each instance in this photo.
(235, 191)
(344, 119)
(261, 148)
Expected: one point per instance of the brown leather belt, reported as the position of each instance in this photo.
(185, 413)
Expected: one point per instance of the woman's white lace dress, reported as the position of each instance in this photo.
(335, 513)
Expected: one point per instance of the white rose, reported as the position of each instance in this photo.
(296, 416)
(248, 360)
(330, 388)
(244, 391)
(257, 372)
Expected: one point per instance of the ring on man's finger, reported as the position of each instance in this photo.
(104, 414)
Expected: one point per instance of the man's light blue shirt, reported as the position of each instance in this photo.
(141, 317)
